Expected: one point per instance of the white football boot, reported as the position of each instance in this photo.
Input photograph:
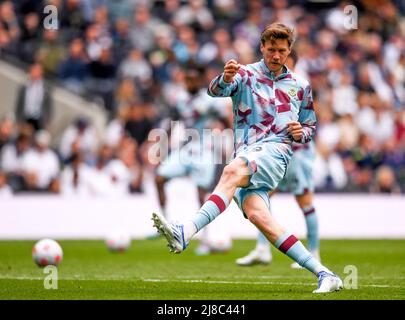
(173, 232)
(328, 282)
(255, 257)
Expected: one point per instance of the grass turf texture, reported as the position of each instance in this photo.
(147, 271)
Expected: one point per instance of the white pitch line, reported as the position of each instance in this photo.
(188, 279)
(247, 277)
(256, 282)
(228, 282)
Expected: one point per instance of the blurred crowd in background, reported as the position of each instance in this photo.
(131, 57)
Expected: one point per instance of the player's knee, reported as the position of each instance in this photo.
(255, 216)
(234, 172)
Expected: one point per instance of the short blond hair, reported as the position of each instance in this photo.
(277, 31)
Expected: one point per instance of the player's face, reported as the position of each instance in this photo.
(275, 54)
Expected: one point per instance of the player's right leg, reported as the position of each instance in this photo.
(178, 235)
(258, 213)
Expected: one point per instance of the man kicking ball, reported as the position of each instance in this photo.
(299, 180)
(272, 108)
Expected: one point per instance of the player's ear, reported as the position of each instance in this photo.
(261, 47)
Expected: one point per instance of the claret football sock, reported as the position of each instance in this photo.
(215, 204)
(288, 244)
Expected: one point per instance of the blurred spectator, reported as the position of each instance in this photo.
(115, 131)
(101, 20)
(173, 90)
(142, 31)
(95, 42)
(363, 160)
(100, 182)
(75, 177)
(139, 123)
(349, 133)
(9, 26)
(6, 131)
(72, 17)
(218, 50)
(121, 176)
(127, 92)
(102, 78)
(162, 57)
(73, 70)
(33, 100)
(51, 52)
(30, 35)
(335, 18)
(121, 9)
(79, 137)
(376, 120)
(11, 160)
(186, 47)
(120, 39)
(131, 168)
(167, 9)
(345, 96)
(40, 165)
(400, 129)
(385, 181)
(329, 172)
(137, 68)
(5, 189)
(328, 133)
(251, 27)
(226, 11)
(196, 15)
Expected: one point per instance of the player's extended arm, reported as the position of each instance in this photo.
(229, 82)
(307, 116)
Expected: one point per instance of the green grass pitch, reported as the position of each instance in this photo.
(148, 271)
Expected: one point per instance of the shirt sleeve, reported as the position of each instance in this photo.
(219, 88)
(307, 116)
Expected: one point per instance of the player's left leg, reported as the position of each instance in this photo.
(258, 213)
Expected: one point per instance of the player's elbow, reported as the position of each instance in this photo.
(210, 93)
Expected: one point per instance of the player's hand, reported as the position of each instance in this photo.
(231, 68)
(296, 130)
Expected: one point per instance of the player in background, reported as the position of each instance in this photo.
(194, 158)
(299, 181)
(272, 107)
